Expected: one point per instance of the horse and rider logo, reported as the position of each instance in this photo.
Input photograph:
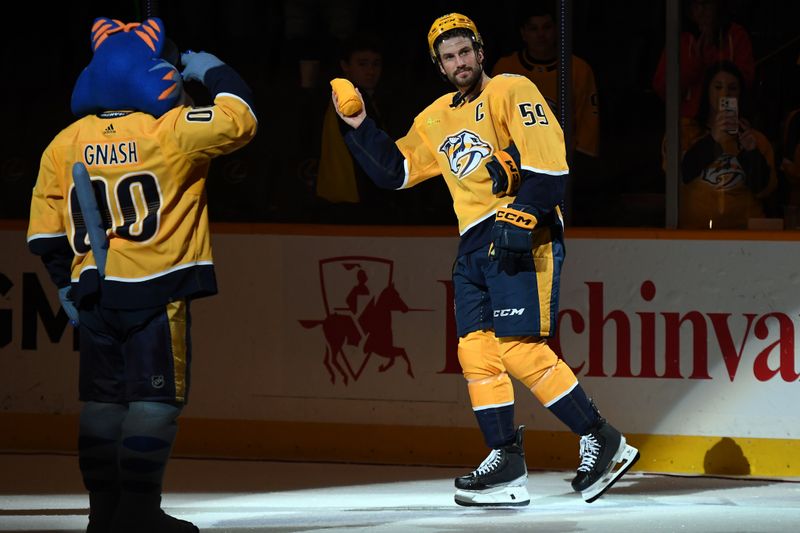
(359, 297)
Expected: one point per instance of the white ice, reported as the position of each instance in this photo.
(44, 493)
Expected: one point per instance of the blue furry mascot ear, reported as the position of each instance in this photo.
(127, 71)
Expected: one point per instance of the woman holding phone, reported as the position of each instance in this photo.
(727, 167)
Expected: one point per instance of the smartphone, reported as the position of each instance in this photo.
(730, 104)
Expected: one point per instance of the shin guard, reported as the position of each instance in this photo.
(490, 390)
(98, 441)
(98, 446)
(147, 437)
(534, 363)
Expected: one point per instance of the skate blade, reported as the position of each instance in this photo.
(505, 496)
(624, 459)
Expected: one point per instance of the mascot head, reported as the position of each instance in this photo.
(128, 70)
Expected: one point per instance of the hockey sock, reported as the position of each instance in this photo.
(576, 411)
(147, 436)
(497, 425)
(100, 428)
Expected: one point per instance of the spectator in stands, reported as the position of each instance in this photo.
(790, 166)
(538, 60)
(707, 38)
(345, 193)
(309, 25)
(727, 167)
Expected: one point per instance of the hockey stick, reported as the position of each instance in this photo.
(170, 53)
(91, 216)
(150, 9)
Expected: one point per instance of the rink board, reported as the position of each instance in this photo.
(686, 341)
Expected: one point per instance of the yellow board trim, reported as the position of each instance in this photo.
(410, 445)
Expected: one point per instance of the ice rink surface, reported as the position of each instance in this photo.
(43, 493)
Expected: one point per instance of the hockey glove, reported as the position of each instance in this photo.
(69, 305)
(512, 233)
(504, 172)
(197, 64)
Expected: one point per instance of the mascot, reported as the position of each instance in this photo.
(119, 218)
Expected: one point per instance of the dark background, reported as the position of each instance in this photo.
(45, 46)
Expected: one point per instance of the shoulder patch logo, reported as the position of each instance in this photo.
(464, 151)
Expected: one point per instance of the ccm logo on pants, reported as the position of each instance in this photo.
(508, 312)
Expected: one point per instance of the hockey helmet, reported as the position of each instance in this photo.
(449, 22)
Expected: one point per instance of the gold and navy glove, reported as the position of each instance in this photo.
(504, 171)
(512, 233)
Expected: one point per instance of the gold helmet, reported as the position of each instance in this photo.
(449, 22)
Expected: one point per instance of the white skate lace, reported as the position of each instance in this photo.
(490, 463)
(590, 450)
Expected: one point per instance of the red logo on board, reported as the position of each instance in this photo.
(359, 297)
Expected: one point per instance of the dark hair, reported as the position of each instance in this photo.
(723, 21)
(360, 43)
(722, 66)
(456, 32)
(540, 8)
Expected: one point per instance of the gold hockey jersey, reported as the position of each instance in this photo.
(149, 179)
(457, 143)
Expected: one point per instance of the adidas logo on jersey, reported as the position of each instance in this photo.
(109, 130)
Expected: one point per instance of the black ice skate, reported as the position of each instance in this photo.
(605, 456)
(140, 513)
(500, 480)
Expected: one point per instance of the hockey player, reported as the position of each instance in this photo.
(147, 154)
(501, 152)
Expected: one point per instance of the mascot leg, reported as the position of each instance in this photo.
(147, 436)
(98, 442)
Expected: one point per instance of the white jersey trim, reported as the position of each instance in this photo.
(548, 172)
(481, 408)
(241, 100)
(45, 236)
(554, 400)
(405, 178)
(146, 278)
(476, 222)
(87, 267)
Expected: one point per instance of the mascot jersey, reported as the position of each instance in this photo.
(149, 176)
(457, 143)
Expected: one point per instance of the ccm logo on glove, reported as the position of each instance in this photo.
(518, 218)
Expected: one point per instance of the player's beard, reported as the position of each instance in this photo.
(469, 81)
